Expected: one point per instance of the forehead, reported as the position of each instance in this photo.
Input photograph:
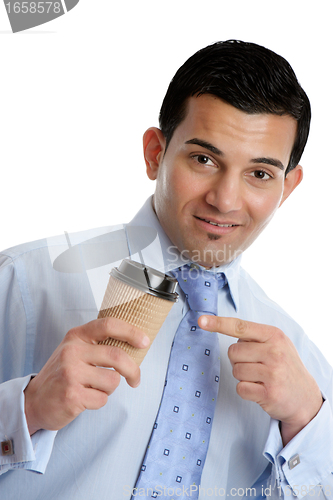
(214, 120)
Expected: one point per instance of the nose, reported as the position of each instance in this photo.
(226, 193)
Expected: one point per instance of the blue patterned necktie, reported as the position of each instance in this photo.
(178, 445)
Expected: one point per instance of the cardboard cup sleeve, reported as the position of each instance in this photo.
(136, 307)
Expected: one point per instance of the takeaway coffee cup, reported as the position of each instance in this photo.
(141, 296)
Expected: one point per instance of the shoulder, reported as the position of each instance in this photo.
(52, 246)
(13, 253)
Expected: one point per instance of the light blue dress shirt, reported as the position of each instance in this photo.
(99, 454)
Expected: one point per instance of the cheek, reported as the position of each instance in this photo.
(179, 186)
(264, 206)
(171, 193)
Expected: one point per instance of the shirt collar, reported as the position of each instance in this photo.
(162, 255)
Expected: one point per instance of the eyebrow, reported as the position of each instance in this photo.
(206, 145)
(269, 161)
(217, 151)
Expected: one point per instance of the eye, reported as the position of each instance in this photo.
(204, 160)
(261, 175)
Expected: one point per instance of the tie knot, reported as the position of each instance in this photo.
(200, 287)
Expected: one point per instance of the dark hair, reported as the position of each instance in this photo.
(247, 76)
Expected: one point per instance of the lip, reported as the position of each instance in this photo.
(228, 228)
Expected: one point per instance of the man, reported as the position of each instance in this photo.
(234, 124)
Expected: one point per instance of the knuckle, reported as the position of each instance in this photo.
(115, 327)
(114, 353)
(109, 325)
(277, 356)
(72, 400)
(69, 394)
(276, 375)
(265, 389)
(65, 373)
(69, 352)
(132, 329)
(71, 335)
(219, 321)
(133, 332)
(240, 327)
(106, 324)
(277, 337)
(114, 381)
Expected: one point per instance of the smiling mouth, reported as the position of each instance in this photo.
(215, 223)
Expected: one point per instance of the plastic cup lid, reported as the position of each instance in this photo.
(146, 279)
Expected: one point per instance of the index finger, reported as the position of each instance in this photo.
(238, 328)
(103, 328)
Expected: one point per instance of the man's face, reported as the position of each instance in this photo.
(225, 167)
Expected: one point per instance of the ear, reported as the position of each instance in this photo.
(153, 149)
(292, 180)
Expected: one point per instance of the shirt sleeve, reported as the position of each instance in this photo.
(27, 452)
(16, 347)
(305, 465)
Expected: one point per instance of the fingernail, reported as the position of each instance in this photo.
(136, 384)
(145, 341)
(204, 321)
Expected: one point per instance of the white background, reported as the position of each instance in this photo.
(78, 93)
